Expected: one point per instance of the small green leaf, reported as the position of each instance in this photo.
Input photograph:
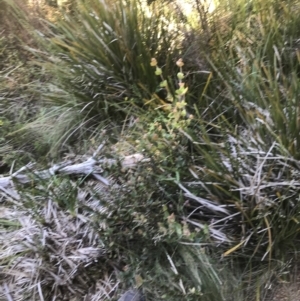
(178, 229)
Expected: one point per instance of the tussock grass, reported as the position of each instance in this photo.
(98, 59)
(244, 143)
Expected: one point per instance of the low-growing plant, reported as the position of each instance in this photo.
(176, 104)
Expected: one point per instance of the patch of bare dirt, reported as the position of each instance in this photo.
(287, 291)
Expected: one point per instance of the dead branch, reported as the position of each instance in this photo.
(91, 167)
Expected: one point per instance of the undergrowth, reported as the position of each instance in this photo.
(212, 214)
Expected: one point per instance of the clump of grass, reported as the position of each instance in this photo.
(235, 164)
(100, 63)
(241, 150)
(19, 102)
(244, 144)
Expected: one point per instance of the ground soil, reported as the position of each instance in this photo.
(287, 291)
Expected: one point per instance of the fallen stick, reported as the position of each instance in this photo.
(90, 167)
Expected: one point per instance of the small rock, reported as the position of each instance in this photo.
(132, 295)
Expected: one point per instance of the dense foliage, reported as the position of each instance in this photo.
(208, 98)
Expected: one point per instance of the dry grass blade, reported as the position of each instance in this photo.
(53, 256)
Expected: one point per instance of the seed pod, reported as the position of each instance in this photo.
(158, 71)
